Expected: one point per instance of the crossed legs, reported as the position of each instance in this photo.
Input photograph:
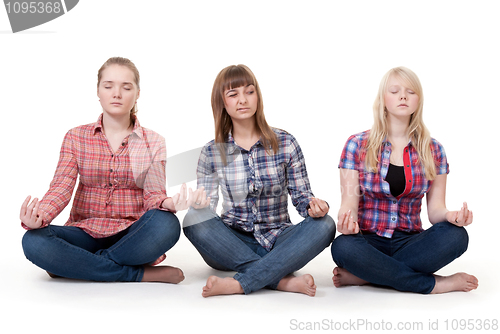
(407, 262)
(68, 251)
(226, 249)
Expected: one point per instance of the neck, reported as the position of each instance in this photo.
(397, 127)
(115, 124)
(245, 131)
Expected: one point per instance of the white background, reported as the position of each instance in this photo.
(319, 64)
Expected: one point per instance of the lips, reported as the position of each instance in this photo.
(403, 105)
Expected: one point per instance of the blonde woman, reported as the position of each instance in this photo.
(122, 221)
(255, 167)
(384, 173)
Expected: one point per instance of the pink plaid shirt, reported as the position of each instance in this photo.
(115, 188)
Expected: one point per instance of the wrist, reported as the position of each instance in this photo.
(167, 204)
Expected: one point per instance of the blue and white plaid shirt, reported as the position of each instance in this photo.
(254, 185)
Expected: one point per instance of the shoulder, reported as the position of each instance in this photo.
(209, 150)
(151, 136)
(436, 144)
(354, 150)
(209, 147)
(360, 136)
(82, 131)
(357, 140)
(285, 138)
(280, 132)
(437, 149)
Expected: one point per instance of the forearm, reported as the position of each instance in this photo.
(345, 208)
(438, 215)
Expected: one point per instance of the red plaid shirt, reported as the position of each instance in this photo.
(115, 188)
(378, 211)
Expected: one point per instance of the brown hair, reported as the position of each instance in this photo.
(235, 76)
(131, 66)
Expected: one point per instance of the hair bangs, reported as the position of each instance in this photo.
(409, 79)
(237, 76)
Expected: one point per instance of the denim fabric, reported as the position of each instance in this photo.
(68, 251)
(405, 262)
(224, 248)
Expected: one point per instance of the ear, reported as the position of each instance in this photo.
(138, 95)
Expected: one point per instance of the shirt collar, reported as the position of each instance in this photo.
(137, 126)
(231, 144)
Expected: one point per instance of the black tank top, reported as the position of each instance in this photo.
(396, 179)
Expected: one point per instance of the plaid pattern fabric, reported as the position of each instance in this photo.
(254, 185)
(379, 212)
(115, 188)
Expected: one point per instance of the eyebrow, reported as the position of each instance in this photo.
(234, 89)
(123, 83)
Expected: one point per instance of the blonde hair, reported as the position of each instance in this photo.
(131, 66)
(235, 76)
(417, 131)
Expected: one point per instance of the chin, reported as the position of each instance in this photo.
(116, 113)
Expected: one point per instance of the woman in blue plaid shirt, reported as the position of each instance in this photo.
(255, 167)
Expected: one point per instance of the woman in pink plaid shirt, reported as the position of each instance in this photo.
(122, 221)
(384, 175)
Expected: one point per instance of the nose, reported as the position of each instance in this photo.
(242, 99)
(117, 93)
(403, 95)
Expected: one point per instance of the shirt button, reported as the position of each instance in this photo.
(123, 144)
(394, 202)
(110, 184)
(393, 219)
(111, 170)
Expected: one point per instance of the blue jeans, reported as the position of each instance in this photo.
(224, 248)
(68, 251)
(405, 262)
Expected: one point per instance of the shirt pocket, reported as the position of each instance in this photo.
(233, 183)
(274, 181)
(370, 183)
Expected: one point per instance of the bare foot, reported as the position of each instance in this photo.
(342, 277)
(52, 275)
(301, 284)
(164, 274)
(455, 282)
(221, 286)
